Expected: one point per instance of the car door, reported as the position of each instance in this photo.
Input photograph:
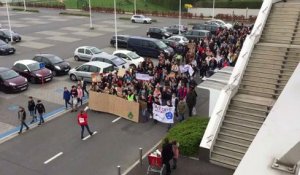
(92, 69)
(87, 54)
(2, 36)
(47, 63)
(82, 71)
(22, 70)
(138, 18)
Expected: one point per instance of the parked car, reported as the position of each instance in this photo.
(114, 60)
(130, 57)
(86, 53)
(178, 39)
(212, 27)
(155, 32)
(149, 47)
(141, 19)
(221, 23)
(197, 35)
(122, 41)
(6, 49)
(174, 29)
(86, 70)
(57, 65)
(11, 81)
(34, 71)
(5, 36)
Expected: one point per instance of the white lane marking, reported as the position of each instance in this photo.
(52, 158)
(95, 132)
(115, 120)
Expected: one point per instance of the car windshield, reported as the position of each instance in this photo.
(55, 59)
(161, 45)
(163, 30)
(34, 66)
(108, 69)
(133, 55)
(95, 50)
(7, 32)
(2, 43)
(9, 75)
(142, 16)
(118, 61)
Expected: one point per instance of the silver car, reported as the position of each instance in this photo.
(86, 70)
(116, 61)
(86, 53)
(140, 19)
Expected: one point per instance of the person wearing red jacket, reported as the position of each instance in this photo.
(82, 119)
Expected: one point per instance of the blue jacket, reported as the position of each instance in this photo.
(67, 95)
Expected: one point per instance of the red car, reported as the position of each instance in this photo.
(11, 81)
(34, 71)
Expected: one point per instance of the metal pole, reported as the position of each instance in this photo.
(8, 18)
(247, 13)
(119, 169)
(135, 7)
(116, 33)
(179, 22)
(213, 11)
(90, 8)
(24, 5)
(141, 156)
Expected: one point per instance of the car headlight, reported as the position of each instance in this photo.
(39, 75)
(26, 80)
(2, 49)
(57, 67)
(12, 84)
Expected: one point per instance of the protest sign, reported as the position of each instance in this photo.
(186, 68)
(143, 77)
(164, 114)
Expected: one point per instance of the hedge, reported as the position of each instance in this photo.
(189, 134)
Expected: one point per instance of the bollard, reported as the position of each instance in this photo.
(141, 156)
(119, 169)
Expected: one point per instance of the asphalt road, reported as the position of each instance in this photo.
(115, 144)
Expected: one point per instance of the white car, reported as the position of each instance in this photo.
(140, 19)
(179, 39)
(130, 57)
(221, 23)
(114, 60)
(86, 70)
(86, 53)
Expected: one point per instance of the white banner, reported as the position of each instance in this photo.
(144, 77)
(186, 68)
(164, 114)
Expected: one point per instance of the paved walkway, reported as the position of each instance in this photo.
(186, 166)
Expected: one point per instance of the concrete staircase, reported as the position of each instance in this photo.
(271, 64)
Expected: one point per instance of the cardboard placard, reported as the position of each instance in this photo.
(121, 72)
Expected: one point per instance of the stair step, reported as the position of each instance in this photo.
(224, 161)
(268, 72)
(248, 109)
(260, 79)
(241, 122)
(270, 63)
(237, 133)
(269, 69)
(258, 89)
(269, 76)
(235, 136)
(253, 105)
(268, 66)
(228, 153)
(272, 85)
(264, 85)
(240, 128)
(223, 128)
(262, 94)
(234, 142)
(245, 113)
(280, 54)
(261, 55)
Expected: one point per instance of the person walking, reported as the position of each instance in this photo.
(82, 119)
(22, 118)
(80, 95)
(167, 155)
(84, 85)
(31, 107)
(175, 148)
(74, 95)
(40, 108)
(191, 100)
(181, 109)
(67, 97)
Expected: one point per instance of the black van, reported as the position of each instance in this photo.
(148, 47)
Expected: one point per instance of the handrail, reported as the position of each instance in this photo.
(254, 31)
(265, 9)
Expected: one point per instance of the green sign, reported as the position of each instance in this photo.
(130, 115)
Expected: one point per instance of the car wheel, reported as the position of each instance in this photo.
(76, 58)
(73, 77)
(148, 35)
(145, 22)
(6, 40)
(132, 66)
(32, 80)
(133, 21)
(54, 73)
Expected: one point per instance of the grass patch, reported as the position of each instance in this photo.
(27, 10)
(189, 134)
(74, 14)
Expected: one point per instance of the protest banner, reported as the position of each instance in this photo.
(143, 77)
(186, 68)
(164, 114)
(115, 105)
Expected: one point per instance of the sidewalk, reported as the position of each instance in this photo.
(186, 166)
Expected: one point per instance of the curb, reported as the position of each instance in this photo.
(47, 117)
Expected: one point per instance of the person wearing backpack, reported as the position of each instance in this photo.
(22, 118)
(40, 108)
(31, 106)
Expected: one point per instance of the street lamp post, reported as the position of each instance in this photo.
(135, 7)
(116, 33)
(8, 18)
(24, 5)
(179, 22)
(213, 11)
(90, 8)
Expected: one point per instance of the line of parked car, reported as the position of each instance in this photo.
(5, 38)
